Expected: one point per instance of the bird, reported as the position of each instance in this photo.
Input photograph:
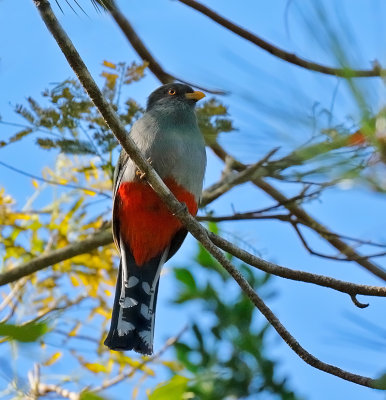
(145, 232)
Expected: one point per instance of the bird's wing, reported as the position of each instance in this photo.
(118, 175)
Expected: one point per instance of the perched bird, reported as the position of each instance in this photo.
(146, 233)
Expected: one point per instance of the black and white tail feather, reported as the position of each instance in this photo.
(132, 323)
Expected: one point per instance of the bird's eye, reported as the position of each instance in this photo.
(172, 92)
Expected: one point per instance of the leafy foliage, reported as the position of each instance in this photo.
(213, 119)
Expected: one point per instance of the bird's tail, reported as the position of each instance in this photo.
(132, 321)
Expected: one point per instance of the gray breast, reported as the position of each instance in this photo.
(176, 150)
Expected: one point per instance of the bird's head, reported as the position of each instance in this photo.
(174, 95)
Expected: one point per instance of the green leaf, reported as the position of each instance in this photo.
(90, 396)
(23, 333)
(20, 135)
(170, 390)
(204, 258)
(213, 227)
(186, 277)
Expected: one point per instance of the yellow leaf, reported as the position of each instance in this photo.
(125, 360)
(35, 183)
(110, 79)
(109, 64)
(75, 330)
(102, 312)
(84, 279)
(95, 367)
(74, 280)
(89, 192)
(55, 357)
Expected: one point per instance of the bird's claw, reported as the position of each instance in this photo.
(141, 174)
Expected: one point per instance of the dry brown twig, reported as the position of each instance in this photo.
(198, 231)
(376, 71)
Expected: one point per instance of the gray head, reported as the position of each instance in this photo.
(174, 95)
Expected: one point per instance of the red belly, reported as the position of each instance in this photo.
(146, 224)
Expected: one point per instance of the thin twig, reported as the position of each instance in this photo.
(12, 294)
(231, 180)
(377, 71)
(305, 219)
(313, 224)
(327, 256)
(302, 276)
(243, 216)
(52, 182)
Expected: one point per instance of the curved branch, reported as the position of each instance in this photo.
(143, 52)
(302, 276)
(139, 46)
(55, 256)
(377, 71)
(282, 331)
(327, 256)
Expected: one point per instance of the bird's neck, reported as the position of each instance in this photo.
(175, 116)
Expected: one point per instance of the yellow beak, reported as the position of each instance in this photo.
(195, 95)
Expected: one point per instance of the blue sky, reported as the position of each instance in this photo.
(261, 87)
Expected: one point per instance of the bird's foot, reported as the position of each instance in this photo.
(141, 174)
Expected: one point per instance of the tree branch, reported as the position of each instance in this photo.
(243, 216)
(281, 330)
(143, 52)
(302, 276)
(55, 256)
(327, 256)
(377, 71)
